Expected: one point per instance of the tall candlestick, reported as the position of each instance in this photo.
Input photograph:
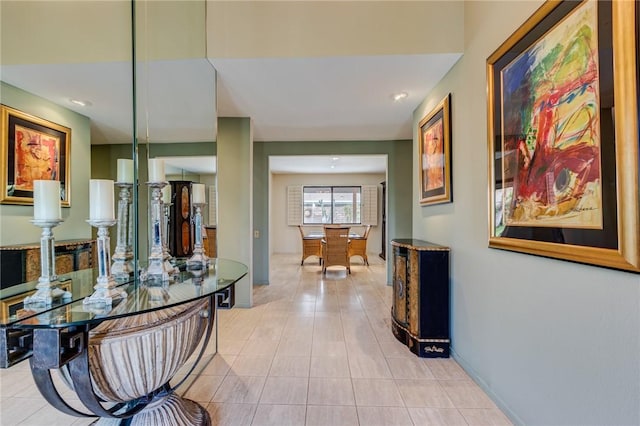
(156, 170)
(197, 191)
(198, 259)
(101, 200)
(125, 170)
(46, 200)
(158, 269)
(48, 288)
(123, 254)
(106, 290)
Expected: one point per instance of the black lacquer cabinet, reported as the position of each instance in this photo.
(420, 309)
(180, 229)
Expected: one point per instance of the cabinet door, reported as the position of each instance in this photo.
(400, 285)
(434, 302)
(180, 235)
(414, 290)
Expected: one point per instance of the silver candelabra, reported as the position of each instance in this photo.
(198, 259)
(168, 259)
(123, 255)
(105, 289)
(158, 269)
(47, 289)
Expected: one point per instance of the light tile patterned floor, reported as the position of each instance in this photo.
(313, 350)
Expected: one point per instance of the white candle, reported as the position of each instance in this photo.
(101, 199)
(166, 194)
(197, 193)
(46, 200)
(156, 170)
(125, 170)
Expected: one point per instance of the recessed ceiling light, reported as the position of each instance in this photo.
(400, 96)
(335, 158)
(79, 102)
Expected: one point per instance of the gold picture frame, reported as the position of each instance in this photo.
(31, 149)
(563, 135)
(434, 154)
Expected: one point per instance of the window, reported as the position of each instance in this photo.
(331, 204)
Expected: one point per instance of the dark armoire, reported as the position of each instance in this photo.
(383, 253)
(420, 309)
(180, 228)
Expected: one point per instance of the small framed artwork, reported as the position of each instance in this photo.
(434, 145)
(563, 135)
(13, 306)
(32, 149)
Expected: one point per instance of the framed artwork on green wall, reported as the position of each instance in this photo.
(563, 135)
(32, 149)
(434, 153)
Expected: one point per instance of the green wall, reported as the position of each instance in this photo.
(15, 227)
(399, 188)
(234, 232)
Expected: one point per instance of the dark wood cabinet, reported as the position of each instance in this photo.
(210, 244)
(383, 253)
(21, 263)
(420, 308)
(180, 227)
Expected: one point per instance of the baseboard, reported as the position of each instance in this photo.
(515, 419)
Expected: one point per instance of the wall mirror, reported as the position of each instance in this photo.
(176, 114)
(55, 53)
(67, 63)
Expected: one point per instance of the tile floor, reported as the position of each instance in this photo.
(312, 351)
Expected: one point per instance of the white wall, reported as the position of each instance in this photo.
(554, 342)
(286, 239)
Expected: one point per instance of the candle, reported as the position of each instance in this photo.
(166, 194)
(46, 200)
(101, 199)
(125, 170)
(197, 193)
(156, 170)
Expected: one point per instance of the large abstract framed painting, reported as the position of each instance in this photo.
(32, 149)
(563, 135)
(434, 146)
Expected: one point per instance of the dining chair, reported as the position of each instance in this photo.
(335, 247)
(311, 246)
(358, 245)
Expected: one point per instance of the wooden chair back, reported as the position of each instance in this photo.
(335, 247)
(310, 247)
(358, 246)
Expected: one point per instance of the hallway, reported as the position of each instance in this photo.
(311, 351)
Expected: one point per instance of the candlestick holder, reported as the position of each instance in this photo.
(123, 255)
(48, 288)
(169, 260)
(198, 258)
(105, 289)
(158, 269)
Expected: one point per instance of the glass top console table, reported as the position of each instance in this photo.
(120, 361)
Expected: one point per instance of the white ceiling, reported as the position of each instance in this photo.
(201, 165)
(328, 99)
(347, 96)
(327, 164)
